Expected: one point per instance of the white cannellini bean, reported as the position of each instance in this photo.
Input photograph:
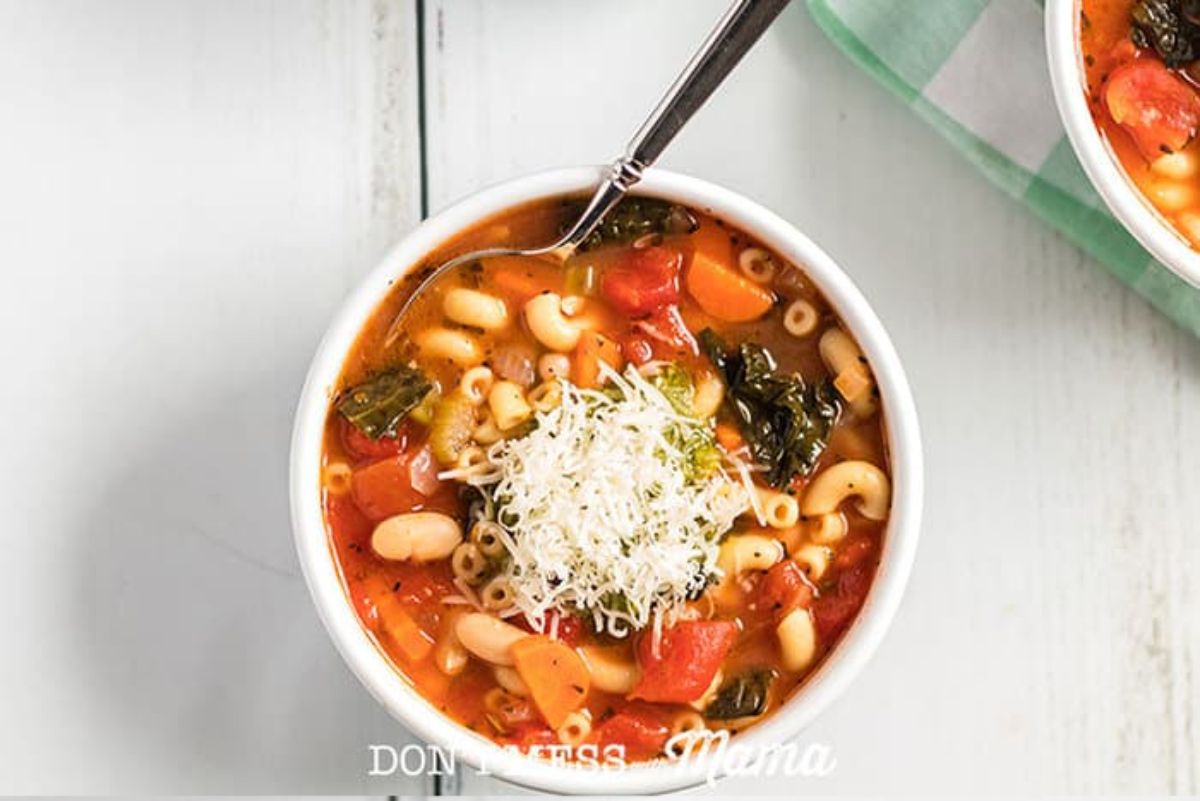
(510, 680)
(489, 638)
(474, 308)
(611, 671)
(416, 536)
(1176, 166)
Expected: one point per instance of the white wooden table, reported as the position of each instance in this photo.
(188, 188)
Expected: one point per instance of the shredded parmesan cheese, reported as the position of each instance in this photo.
(599, 511)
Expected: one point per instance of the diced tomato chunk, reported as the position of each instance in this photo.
(384, 488)
(422, 583)
(833, 612)
(347, 523)
(636, 348)
(854, 551)
(645, 281)
(668, 333)
(786, 587)
(1159, 109)
(689, 656)
(638, 729)
(361, 448)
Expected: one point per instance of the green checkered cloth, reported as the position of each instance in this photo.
(941, 61)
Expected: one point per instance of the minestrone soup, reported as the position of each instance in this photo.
(1142, 59)
(613, 500)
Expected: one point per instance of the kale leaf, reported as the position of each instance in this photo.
(785, 422)
(1169, 27)
(376, 406)
(741, 696)
(633, 218)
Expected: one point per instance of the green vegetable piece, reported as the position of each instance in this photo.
(785, 422)
(699, 447)
(742, 696)
(579, 277)
(633, 218)
(676, 386)
(376, 407)
(450, 428)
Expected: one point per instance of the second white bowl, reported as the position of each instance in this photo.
(1123, 198)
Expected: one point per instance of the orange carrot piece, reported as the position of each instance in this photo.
(396, 624)
(557, 677)
(729, 438)
(519, 278)
(713, 279)
(592, 349)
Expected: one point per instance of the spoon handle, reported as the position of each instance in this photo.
(736, 32)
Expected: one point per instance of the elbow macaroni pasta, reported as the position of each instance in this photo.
(851, 373)
(828, 529)
(780, 510)
(486, 432)
(575, 728)
(686, 732)
(336, 478)
(508, 405)
(546, 396)
(476, 383)
(758, 265)
(745, 552)
(801, 319)
(548, 322)
(468, 564)
(835, 484)
(813, 560)
(497, 595)
(486, 536)
(797, 639)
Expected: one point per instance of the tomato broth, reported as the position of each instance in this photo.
(672, 351)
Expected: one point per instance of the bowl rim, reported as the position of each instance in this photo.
(379, 676)
(1100, 163)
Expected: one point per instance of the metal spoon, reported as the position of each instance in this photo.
(736, 32)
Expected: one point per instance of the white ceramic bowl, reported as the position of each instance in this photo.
(391, 690)
(1099, 162)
